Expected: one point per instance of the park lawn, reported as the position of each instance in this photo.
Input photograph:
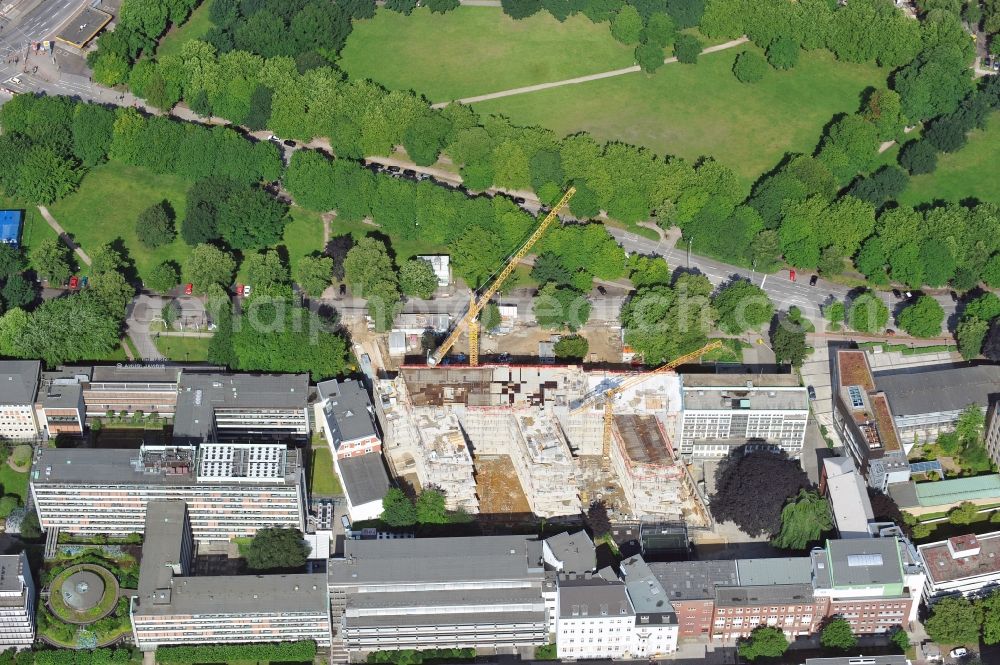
(303, 235)
(35, 229)
(323, 479)
(969, 173)
(196, 27)
(476, 50)
(702, 110)
(14, 482)
(183, 349)
(109, 201)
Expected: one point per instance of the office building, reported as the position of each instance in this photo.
(173, 608)
(241, 407)
(130, 389)
(230, 489)
(966, 565)
(656, 629)
(18, 388)
(720, 412)
(491, 593)
(863, 420)
(595, 617)
(927, 401)
(60, 408)
(17, 602)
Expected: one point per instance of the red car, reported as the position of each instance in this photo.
(791, 275)
(188, 289)
(74, 282)
(239, 290)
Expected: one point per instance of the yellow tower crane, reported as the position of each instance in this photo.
(470, 320)
(609, 394)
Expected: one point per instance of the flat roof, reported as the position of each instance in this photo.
(162, 545)
(422, 560)
(734, 392)
(775, 593)
(154, 465)
(860, 660)
(243, 594)
(365, 478)
(864, 562)
(694, 580)
(853, 370)
(576, 551)
(84, 26)
(19, 381)
(956, 490)
(782, 570)
(937, 388)
(61, 396)
(200, 395)
(849, 503)
(942, 566)
(347, 409)
(135, 373)
(646, 593)
(12, 566)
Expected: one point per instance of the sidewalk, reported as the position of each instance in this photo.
(63, 235)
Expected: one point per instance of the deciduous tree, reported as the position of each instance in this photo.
(868, 313)
(687, 48)
(923, 318)
(837, 634)
(314, 274)
(397, 509)
(155, 225)
(209, 265)
(764, 642)
(749, 67)
(417, 278)
(277, 548)
(954, 621)
(627, 26)
(775, 477)
(742, 306)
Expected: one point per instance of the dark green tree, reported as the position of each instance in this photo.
(649, 57)
(918, 157)
(18, 292)
(519, 9)
(837, 634)
(764, 642)
(397, 509)
(783, 52)
(923, 318)
(749, 67)
(954, 621)
(572, 347)
(417, 278)
(155, 225)
(742, 306)
(277, 548)
(687, 48)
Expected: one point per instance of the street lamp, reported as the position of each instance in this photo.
(690, 240)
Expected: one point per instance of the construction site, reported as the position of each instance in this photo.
(505, 441)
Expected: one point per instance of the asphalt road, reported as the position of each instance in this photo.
(27, 21)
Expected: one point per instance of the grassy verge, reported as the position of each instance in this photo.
(323, 479)
(693, 111)
(446, 56)
(107, 204)
(14, 482)
(185, 349)
(196, 27)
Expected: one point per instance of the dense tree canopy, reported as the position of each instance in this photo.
(277, 549)
(923, 318)
(803, 521)
(764, 642)
(837, 634)
(776, 479)
(742, 306)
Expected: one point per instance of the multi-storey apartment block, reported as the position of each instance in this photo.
(173, 608)
(595, 617)
(60, 408)
(230, 489)
(720, 412)
(18, 387)
(17, 602)
(490, 593)
(235, 407)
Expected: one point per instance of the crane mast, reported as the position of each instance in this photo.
(470, 321)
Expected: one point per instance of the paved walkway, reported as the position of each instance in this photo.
(580, 79)
(63, 235)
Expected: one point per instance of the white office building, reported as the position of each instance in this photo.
(231, 490)
(17, 602)
(596, 618)
(18, 389)
(966, 565)
(720, 412)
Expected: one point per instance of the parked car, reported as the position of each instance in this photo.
(908, 294)
(343, 289)
(813, 280)
(791, 275)
(392, 169)
(74, 282)
(290, 143)
(959, 652)
(410, 173)
(954, 296)
(603, 291)
(247, 290)
(519, 200)
(84, 281)
(239, 290)
(996, 64)
(811, 391)
(896, 293)
(890, 333)
(188, 289)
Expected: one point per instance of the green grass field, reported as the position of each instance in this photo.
(475, 50)
(702, 110)
(14, 482)
(184, 349)
(107, 204)
(196, 27)
(323, 479)
(968, 173)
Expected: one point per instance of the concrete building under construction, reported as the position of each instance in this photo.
(448, 427)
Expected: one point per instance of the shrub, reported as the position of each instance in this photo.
(749, 67)
(687, 48)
